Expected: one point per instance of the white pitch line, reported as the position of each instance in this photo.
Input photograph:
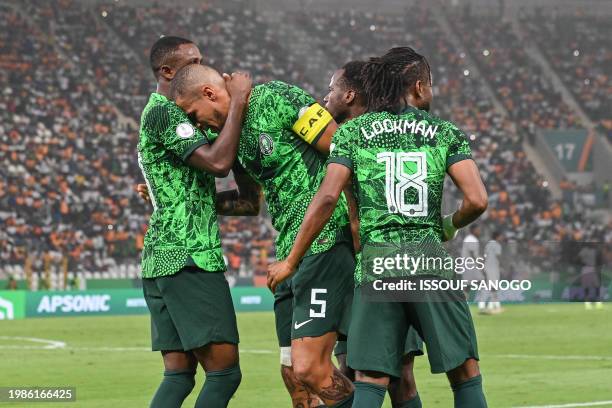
(577, 404)
(49, 344)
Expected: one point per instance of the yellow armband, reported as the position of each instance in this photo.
(311, 123)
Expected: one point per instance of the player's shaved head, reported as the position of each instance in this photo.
(201, 92)
(191, 78)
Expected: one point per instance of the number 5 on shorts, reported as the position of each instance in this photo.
(319, 302)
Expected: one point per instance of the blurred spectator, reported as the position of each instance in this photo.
(71, 103)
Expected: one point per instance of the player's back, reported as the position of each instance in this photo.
(399, 163)
(279, 154)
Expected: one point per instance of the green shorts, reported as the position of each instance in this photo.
(190, 309)
(379, 332)
(318, 297)
(413, 345)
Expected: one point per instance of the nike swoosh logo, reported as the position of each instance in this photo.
(297, 326)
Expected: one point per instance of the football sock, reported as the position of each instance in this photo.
(219, 388)
(368, 395)
(469, 394)
(174, 388)
(414, 402)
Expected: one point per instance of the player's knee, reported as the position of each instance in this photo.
(235, 377)
(308, 371)
(229, 377)
(183, 377)
(179, 361)
(469, 369)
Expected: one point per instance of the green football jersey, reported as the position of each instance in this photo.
(399, 163)
(281, 124)
(183, 228)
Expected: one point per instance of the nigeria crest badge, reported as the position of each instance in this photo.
(266, 144)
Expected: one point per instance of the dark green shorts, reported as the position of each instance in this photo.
(318, 298)
(379, 334)
(190, 309)
(283, 313)
(413, 345)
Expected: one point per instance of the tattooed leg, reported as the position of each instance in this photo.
(301, 396)
(337, 389)
(312, 364)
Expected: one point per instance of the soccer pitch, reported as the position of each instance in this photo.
(531, 356)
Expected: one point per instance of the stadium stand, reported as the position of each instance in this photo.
(580, 58)
(69, 131)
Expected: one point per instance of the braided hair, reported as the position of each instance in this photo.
(387, 78)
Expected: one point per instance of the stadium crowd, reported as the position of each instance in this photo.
(580, 58)
(72, 101)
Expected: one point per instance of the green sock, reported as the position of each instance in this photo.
(414, 402)
(219, 388)
(469, 394)
(345, 403)
(174, 388)
(368, 395)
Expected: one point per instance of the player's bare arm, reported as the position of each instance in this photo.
(353, 215)
(317, 215)
(324, 141)
(218, 158)
(466, 177)
(243, 201)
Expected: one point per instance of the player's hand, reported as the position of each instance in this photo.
(143, 192)
(238, 85)
(278, 272)
(449, 231)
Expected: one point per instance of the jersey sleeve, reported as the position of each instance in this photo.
(458, 148)
(300, 112)
(173, 129)
(342, 145)
(211, 136)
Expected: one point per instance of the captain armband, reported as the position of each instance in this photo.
(311, 123)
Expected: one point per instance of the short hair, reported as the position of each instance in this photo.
(187, 76)
(163, 49)
(387, 78)
(351, 77)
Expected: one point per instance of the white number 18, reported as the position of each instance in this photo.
(397, 182)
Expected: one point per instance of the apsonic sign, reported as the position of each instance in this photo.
(123, 302)
(110, 302)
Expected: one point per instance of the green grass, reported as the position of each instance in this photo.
(518, 351)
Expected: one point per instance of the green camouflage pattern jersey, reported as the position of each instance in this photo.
(399, 163)
(183, 228)
(278, 156)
